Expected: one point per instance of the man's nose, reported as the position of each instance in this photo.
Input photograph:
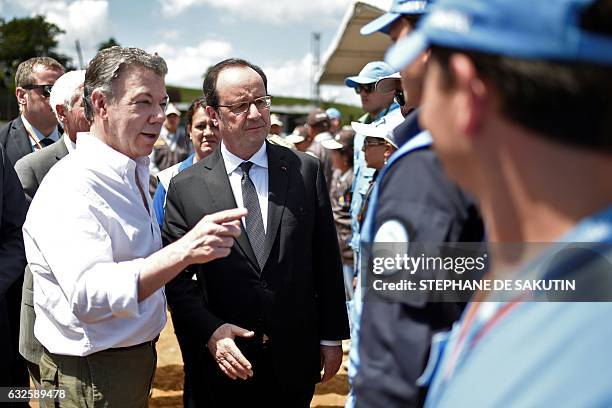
(159, 115)
(253, 112)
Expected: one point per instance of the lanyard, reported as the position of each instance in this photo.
(32, 134)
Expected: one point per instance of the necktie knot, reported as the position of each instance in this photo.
(246, 167)
(44, 142)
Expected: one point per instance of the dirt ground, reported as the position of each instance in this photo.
(168, 385)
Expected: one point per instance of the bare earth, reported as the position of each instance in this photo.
(168, 385)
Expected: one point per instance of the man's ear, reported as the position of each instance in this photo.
(473, 94)
(61, 113)
(21, 95)
(99, 103)
(214, 116)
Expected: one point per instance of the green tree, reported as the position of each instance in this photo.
(111, 42)
(24, 38)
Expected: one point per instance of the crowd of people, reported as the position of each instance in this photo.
(489, 122)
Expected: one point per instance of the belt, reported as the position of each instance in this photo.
(146, 343)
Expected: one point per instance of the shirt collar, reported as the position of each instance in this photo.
(260, 158)
(70, 145)
(55, 135)
(95, 150)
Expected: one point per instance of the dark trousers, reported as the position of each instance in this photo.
(264, 389)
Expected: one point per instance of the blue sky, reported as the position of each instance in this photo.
(194, 34)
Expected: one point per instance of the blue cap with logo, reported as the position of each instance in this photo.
(398, 7)
(371, 73)
(524, 29)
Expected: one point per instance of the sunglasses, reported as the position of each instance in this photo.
(367, 88)
(371, 141)
(45, 89)
(399, 97)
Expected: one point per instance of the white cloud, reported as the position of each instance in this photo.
(186, 65)
(85, 20)
(293, 78)
(271, 11)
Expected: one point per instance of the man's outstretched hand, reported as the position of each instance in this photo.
(227, 355)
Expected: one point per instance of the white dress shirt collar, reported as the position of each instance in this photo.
(232, 162)
(94, 148)
(70, 145)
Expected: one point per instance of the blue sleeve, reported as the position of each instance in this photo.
(159, 201)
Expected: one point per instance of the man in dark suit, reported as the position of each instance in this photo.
(12, 261)
(67, 102)
(272, 314)
(36, 127)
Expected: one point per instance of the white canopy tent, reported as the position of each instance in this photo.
(350, 51)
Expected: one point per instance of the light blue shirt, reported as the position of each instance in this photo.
(539, 354)
(55, 135)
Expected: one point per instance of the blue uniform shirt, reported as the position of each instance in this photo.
(538, 354)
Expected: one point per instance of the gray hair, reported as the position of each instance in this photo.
(107, 66)
(66, 89)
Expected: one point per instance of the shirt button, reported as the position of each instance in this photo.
(264, 284)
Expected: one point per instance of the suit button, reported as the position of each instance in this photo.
(264, 284)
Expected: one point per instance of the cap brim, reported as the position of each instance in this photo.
(388, 83)
(295, 139)
(353, 81)
(407, 50)
(367, 130)
(381, 24)
(331, 144)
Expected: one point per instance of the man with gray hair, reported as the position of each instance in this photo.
(36, 126)
(66, 100)
(99, 312)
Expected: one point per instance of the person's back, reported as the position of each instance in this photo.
(538, 159)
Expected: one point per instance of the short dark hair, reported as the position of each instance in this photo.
(210, 80)
(199, 102)
(566, 101)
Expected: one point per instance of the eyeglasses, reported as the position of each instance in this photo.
(45, 89)
(242, 107)
(373, 142)
(367, 88)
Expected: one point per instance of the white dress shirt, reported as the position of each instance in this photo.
(86, 236)
(259, 176)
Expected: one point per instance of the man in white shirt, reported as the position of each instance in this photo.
(98, 265)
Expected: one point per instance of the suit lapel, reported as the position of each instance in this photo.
(19, 137)
(220, 193)
(278, 178)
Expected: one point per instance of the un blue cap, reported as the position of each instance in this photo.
(371, 73)
(524, 29)
(333, 113)
(398, 7)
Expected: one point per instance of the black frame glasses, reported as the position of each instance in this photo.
(241, 108)
(367, 88)
(45, 89)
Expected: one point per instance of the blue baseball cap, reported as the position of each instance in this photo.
(333, 113)
(398, 7)
(371, 73)
(526, 29)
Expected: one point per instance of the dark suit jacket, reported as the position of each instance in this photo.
(15, 140)
(12, 262)
(298, 297)
(31, 170)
